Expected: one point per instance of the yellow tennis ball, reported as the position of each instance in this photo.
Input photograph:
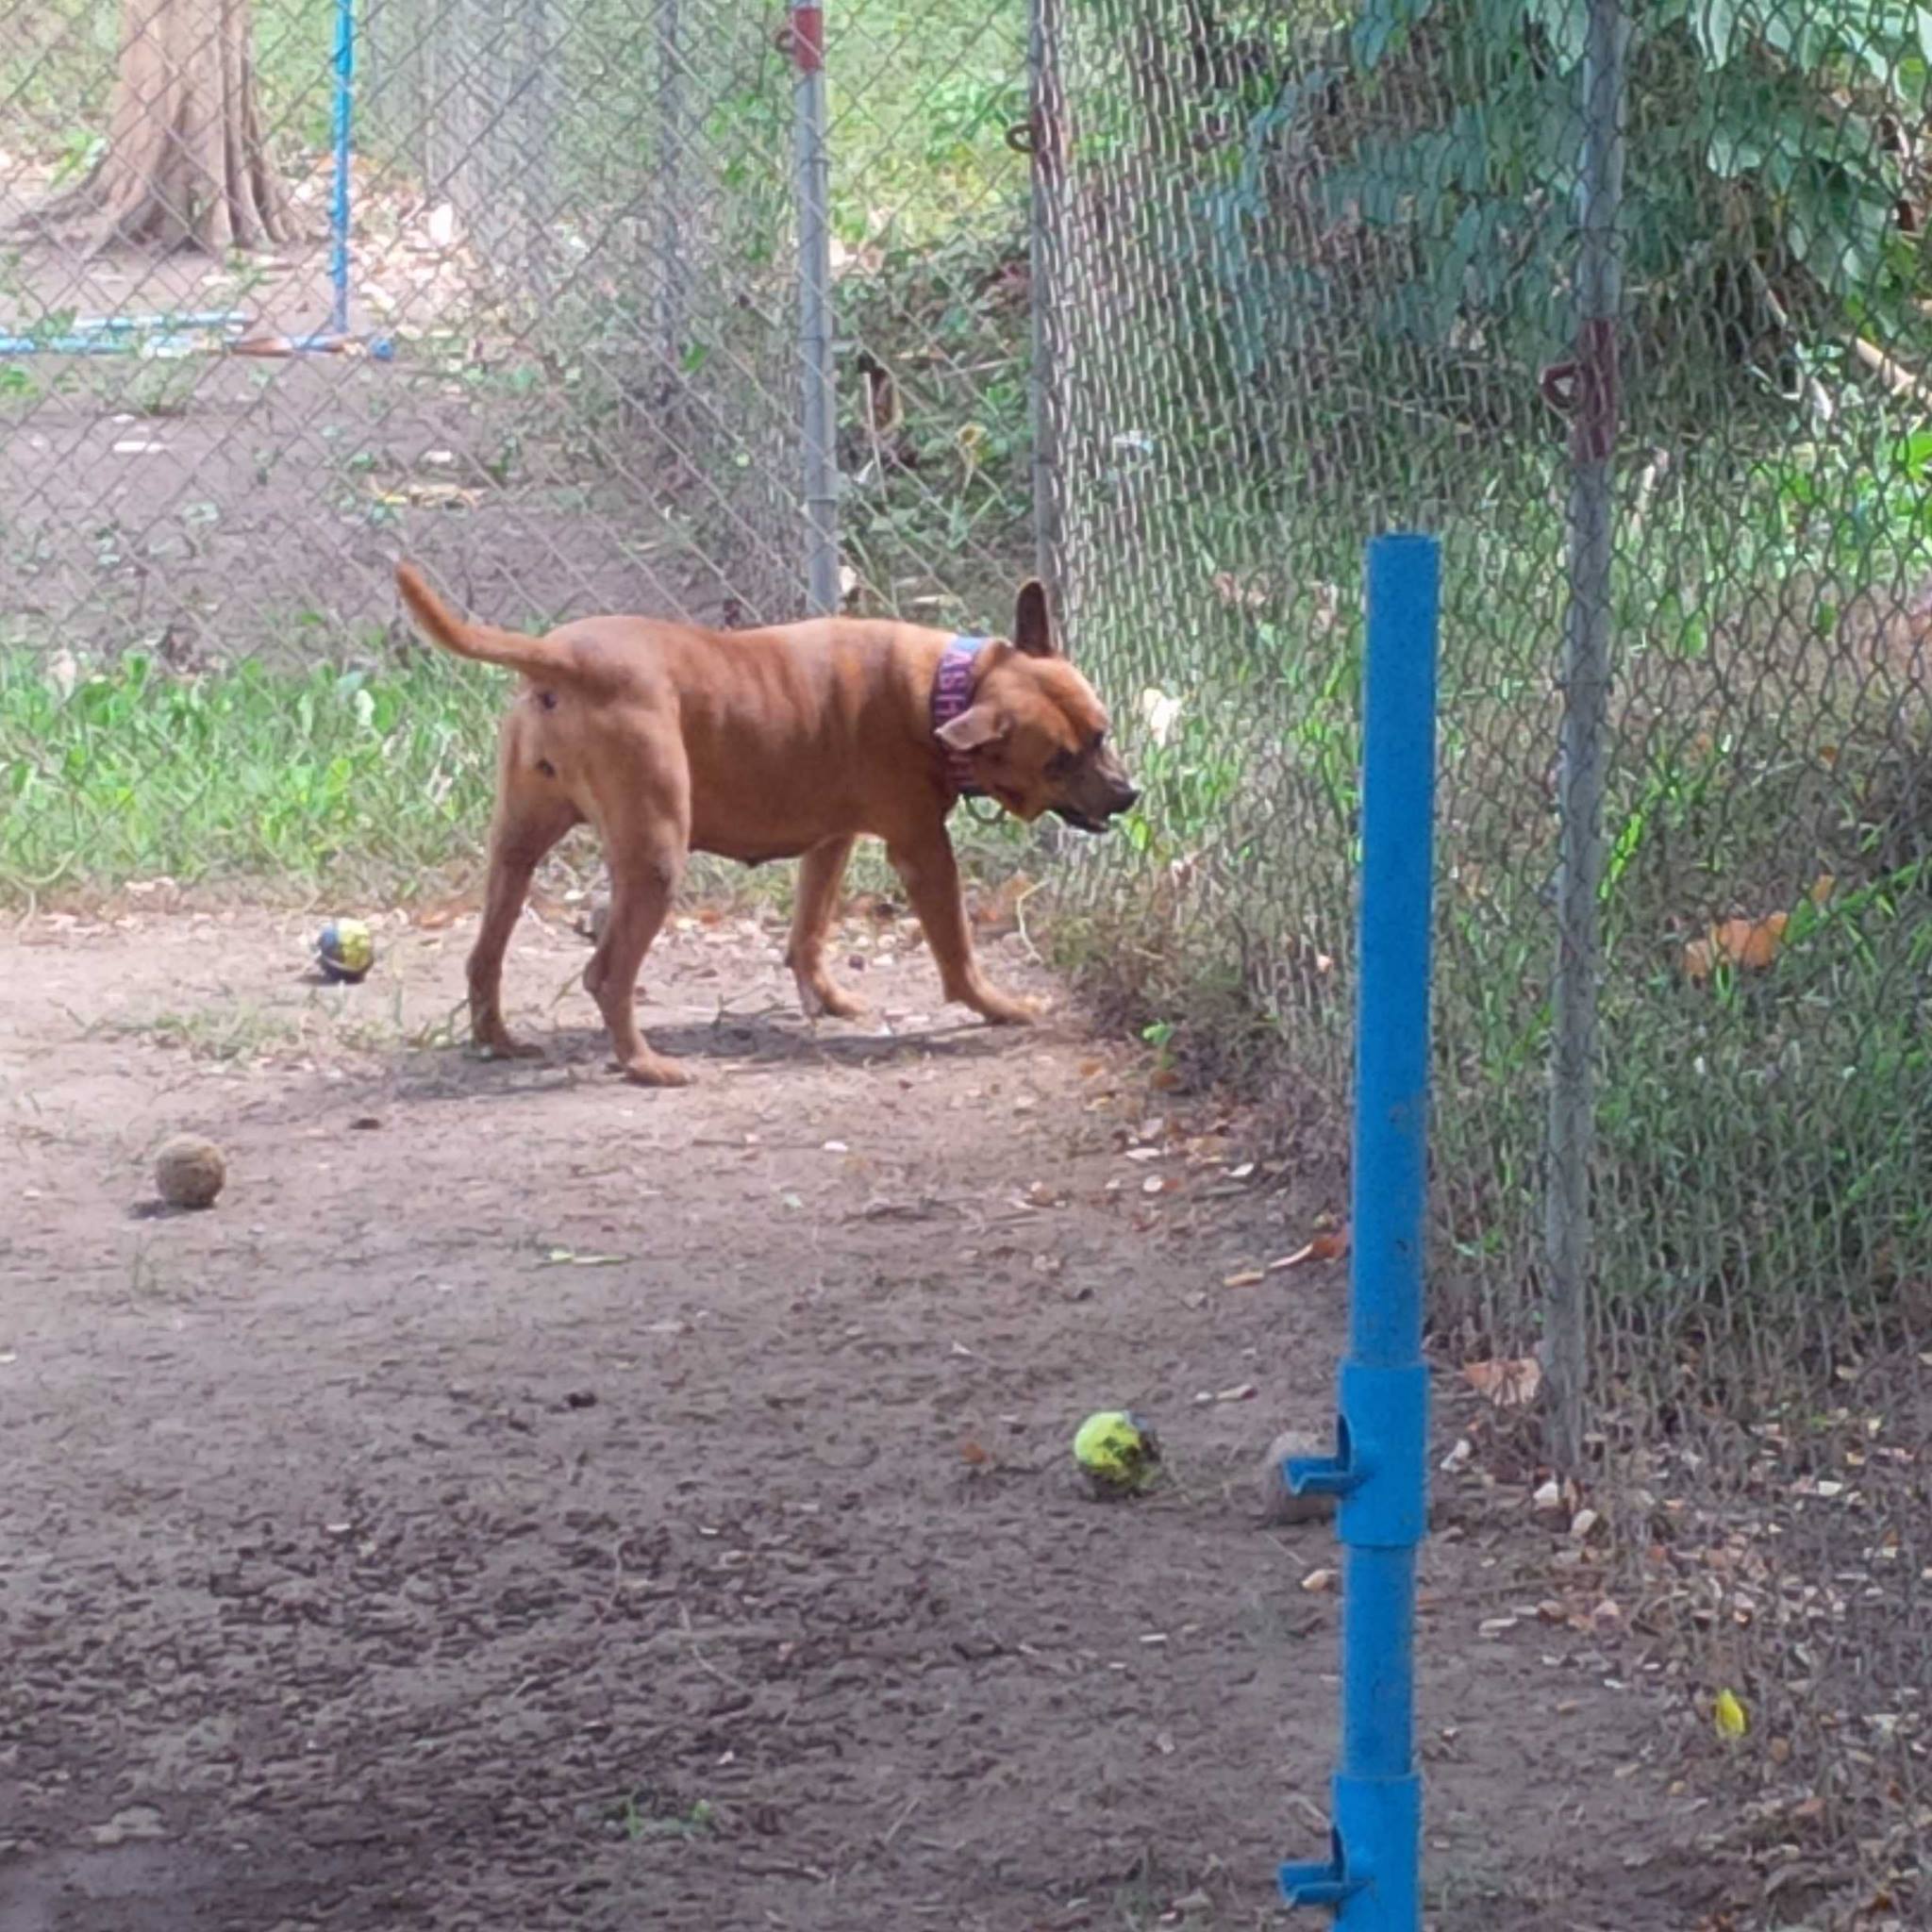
(1117, 1452)
(345, 950)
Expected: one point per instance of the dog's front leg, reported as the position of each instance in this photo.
(931, 877)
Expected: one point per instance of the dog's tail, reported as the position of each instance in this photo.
(537, 657)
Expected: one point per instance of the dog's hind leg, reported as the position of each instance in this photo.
(530, 819)
(645, 842)
(819, 876)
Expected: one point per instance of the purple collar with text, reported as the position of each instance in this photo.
(952, 693)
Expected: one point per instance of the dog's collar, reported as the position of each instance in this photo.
(952, 694)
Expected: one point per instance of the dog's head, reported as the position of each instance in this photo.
(1035, 735)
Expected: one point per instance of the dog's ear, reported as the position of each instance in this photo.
(1032, 625)
(973, 730)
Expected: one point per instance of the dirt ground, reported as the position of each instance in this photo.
(526, 1501)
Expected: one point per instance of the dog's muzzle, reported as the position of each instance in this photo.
(1121, 801)
(1079, 820)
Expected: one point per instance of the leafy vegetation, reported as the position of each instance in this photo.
(129, 771)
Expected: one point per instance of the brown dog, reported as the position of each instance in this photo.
(757, 745)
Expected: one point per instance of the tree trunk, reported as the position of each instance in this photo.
(186, 164)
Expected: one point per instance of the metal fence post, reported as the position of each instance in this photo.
(1592, 395)
(819, 420)
(1372, 1877)
(672, 193)
(342, 113)
(1046, 134)
(534, 157)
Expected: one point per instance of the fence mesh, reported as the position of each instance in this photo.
(1182, 299)
(1311, 282)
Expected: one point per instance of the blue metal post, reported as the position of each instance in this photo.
(339, 196)
(336, 337)
(1372, 1877)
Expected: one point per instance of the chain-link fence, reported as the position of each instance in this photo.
(1311, 278)
(1181, 299)
(571, 244)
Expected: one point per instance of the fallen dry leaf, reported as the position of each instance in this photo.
(1325, 1247)
(434, 918)
(1508, 1382)
(998, 910)
(973, 1453)
(431, 497)
(1749, 944)
(1247, 593)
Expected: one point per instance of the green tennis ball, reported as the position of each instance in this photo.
(345, 949)
(1117, 1452)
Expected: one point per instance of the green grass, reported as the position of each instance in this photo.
(269, 780)
(231, 1031)
(300, 776)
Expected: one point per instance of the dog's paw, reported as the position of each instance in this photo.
(654, 1069)
(507, 1049)
(822, 998)
(1003, 1009)
(831, 1002)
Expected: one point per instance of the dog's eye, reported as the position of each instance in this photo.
(1094, 743)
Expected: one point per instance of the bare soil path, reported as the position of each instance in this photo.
(528, 1502)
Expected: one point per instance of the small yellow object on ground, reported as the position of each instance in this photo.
(1117, 1452)
(1730, 1717)
(346, 949)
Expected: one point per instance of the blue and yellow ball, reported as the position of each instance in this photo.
(345, 950)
